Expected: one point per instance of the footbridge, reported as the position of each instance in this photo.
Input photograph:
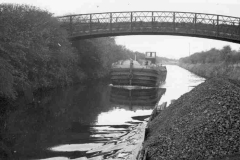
(212, 26)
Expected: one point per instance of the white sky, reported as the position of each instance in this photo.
(166, 46)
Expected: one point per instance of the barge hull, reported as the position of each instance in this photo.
(137, 76)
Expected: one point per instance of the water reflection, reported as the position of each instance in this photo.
(128, 103)
(178, 82)
(68, 122)
(136, 99)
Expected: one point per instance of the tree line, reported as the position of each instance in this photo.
(35, 52)
(225, 55)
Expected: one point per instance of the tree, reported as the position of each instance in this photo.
(35, 47)
(225, 53)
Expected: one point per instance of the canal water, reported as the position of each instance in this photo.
(67, 123)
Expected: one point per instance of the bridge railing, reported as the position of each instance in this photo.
(153, 21)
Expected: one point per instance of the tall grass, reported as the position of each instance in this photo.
(209, 70)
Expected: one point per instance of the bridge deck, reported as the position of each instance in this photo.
(150, 23)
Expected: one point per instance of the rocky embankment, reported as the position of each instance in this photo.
(201, 124)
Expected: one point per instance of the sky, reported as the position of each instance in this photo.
(165, 46)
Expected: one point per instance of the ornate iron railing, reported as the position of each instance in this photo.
(153, 22)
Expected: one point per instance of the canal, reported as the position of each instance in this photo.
(66, 123)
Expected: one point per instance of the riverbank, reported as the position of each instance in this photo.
(202, 124)
(209, 70)
(62, 118)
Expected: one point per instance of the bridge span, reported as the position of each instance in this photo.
(212, 26)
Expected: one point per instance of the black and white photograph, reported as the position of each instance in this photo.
(119, 80)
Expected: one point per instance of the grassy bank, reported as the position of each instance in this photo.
(209, 70)
(223, 62)
(201, 124)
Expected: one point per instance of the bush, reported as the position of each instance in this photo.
(34, 50)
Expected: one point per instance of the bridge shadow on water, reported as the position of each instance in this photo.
(68, 122)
